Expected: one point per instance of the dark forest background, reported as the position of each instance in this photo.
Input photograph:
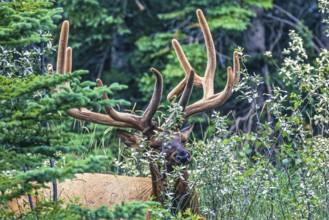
(264, 154)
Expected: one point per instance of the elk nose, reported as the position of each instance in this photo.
(183, 157)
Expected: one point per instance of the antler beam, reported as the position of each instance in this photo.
(209, 100)
(143, 123)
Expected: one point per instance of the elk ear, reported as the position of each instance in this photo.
(185, 133)
(129, 139)
(156, 142)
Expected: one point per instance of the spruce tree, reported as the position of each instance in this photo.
(35, 131)
(26, 22)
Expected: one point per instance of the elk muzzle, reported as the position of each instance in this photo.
(177, 154)
(183, 157)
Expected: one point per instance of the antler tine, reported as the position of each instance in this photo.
(181, 57)
(68, 63)
(98, 118)
(209, 100)
(208, 85)
(215, 100)
(156, 97)
(68, 60)
(108, 109)
(64, 66)
(185, 96)
(187, 91)
(114, 118)
(99, 83)
(187, 69)
(236, 67)
(144, 122)
(207, 82)
(62, 45)
(123, 117)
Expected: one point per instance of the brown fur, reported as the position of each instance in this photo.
(110, 190)
(96, 190)
(92, 191)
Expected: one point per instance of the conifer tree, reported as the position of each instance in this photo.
(23, 23)
(33, 126)
(127, 37)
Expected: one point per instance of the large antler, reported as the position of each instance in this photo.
(143, 123)
(209, 99)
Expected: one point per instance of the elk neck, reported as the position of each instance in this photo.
(184, 197)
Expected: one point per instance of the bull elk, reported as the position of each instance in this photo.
(95, 190)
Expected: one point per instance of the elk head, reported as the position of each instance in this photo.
(176, 152)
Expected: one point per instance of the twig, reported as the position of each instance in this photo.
(29, 196)
(295, 26)
(327, 194)
(306, 193)
(252, 202)
(54, 182)
(277, 38)
(272, 196)
(140, 5)
(52, 161)
(42, 45)
(102, 61)
(291, 186)
(286, 13)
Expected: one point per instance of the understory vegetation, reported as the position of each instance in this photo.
(280, 169)
(263, 155)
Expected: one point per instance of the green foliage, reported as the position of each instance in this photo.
(231, 17)
(160, 213)
(280, 169)
(26, 22)
(177, 14)
(16, 63)
(34, 129)
(124, 40)
(226, 15)
(132, 210)
(26, 138)
(324, 9)
(92, 31)
(277, 170)
(266, 4)
(309, 82)
(173, 73)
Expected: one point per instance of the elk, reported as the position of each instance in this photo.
(95, 190)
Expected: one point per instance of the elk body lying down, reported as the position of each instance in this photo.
(95, 190)
(92, 191)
